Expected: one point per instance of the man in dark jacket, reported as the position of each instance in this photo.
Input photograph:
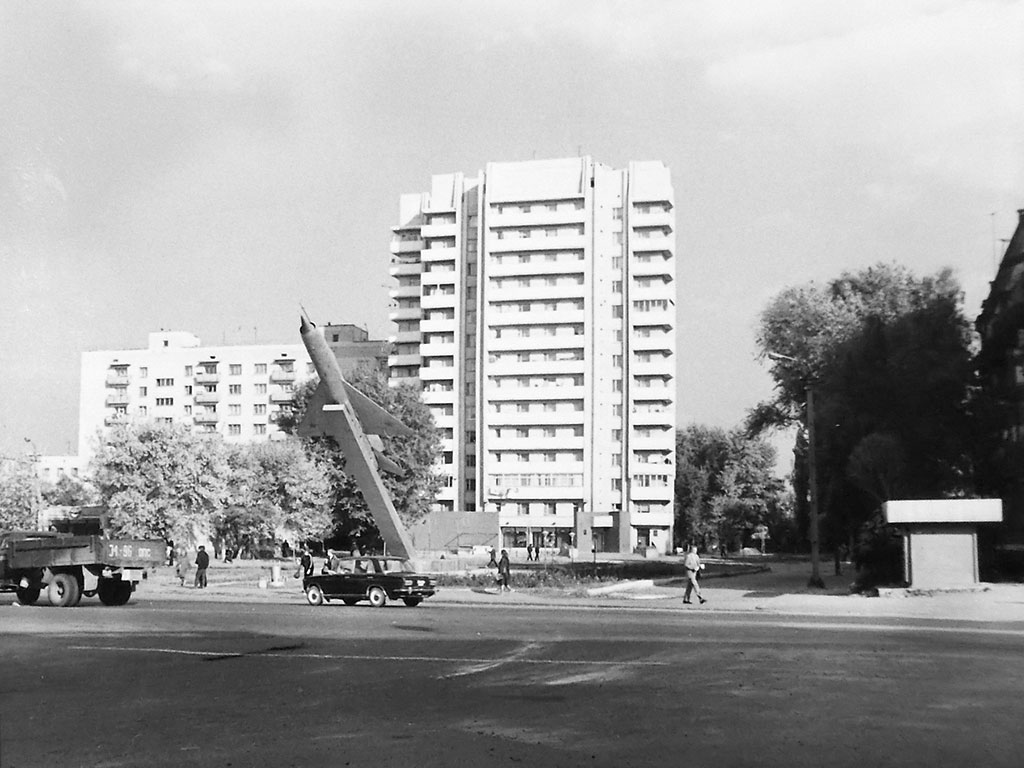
(202, 563)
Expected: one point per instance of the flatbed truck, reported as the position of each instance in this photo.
(68, 567)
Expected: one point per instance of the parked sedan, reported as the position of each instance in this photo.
(375, 579)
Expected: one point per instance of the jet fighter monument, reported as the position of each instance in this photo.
(339, 410)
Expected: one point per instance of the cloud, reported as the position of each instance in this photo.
(940, 92)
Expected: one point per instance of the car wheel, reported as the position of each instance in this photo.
(314, 595)
(27, 595)
(63, 590)
(350, 600)
(412, 602)
(377, 597)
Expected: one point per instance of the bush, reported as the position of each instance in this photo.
(878, 554)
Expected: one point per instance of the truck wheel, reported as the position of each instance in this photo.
(314, 595)
(27, 595)
(377, 597)
(114, 591)
(64, 591)
(105, 591)
(123, 593)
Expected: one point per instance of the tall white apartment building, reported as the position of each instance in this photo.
(536, 305)
(236, 390)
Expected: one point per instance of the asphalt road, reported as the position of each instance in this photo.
(236, 684)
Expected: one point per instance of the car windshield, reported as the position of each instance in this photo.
(396, 566)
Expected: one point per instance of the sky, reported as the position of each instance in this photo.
(210, 166)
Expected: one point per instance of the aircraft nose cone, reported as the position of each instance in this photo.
(304, 324)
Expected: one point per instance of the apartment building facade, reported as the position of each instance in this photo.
(238, 391)
(535, 303)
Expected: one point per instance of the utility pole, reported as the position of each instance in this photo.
(812, 476)
(812, 479)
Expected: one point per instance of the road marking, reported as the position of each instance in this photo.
(476, 668)
(365, 657)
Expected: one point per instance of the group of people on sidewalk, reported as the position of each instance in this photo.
(202, 563)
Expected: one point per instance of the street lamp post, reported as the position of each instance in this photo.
(36, 501)
(812, 480)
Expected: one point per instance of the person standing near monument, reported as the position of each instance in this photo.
(504, 572)
(202, 563)
(693, 566)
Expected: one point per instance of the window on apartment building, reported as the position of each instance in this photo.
(143, 371)
(188, 410)
(188, 370)
(522, 508)
(616, 483)
(548, 432)
(616, 286)
(522, 432)
(616, 385)
(616, 214)
(188, 389)
(209, 388)
(165, 382)
(616, 361)
(259, 429)
(446, 457)
(234, 409)
(235, 369)
(616, 435)
(616, 459)
(234, 429)
(165, 401)
(260, 368)
(234, 389)
(261, 389)
(142, 391)
(143, 410)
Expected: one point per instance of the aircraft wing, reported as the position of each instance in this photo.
(312, 424)
(374, 419)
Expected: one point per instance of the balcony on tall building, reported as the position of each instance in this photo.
(405, 313)
(652, 264)
(207, 377)
(206, 417)
(405, 291)
(405, 268)
(117, 398)
(284, 395)
(410, 245)
(202, 397)
(653, 341)
(115, 379)
(404, 360)
(115, 418)
(280, 376)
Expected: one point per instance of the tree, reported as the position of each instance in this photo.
(725, 485)
(18, 488)
(160, 481)
(889, 358)
(272, 487)
(413, 493)
(69, 491)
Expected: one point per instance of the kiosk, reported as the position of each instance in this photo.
(940, 539)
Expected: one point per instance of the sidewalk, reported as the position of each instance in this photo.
(781, 591)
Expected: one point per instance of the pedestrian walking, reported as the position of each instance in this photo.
(693, 566)
(504, 572)
(202, 563)
(182, 567)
